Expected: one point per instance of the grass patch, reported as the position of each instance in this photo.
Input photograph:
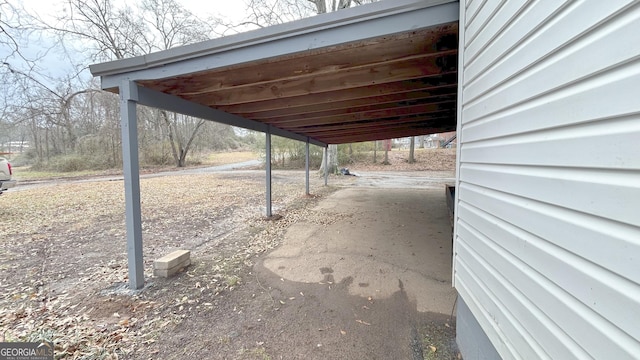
(224, 158)
(257, 353)
(26, 174)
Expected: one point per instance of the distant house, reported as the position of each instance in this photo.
(434, 141)
(441, 139)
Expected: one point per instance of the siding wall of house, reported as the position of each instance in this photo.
(547, 233)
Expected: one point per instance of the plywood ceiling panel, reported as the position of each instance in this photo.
(397, 85)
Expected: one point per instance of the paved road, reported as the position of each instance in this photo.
(365, 179)
(211, 169)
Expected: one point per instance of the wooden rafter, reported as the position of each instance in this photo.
(389, 86)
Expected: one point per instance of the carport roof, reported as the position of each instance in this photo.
(378, 71)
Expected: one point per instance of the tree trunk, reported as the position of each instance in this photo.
(167, 123)
(386, 156)
(412, 146)
(375, 151)
(185, 150)
(332, 158)
(421, 141)
(321, 6)
(343, 4)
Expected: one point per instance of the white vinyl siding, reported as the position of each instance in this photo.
(547, 233)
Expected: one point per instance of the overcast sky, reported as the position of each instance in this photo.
(55, 64)
(229, 8)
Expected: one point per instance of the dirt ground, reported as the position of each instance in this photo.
(316, 284)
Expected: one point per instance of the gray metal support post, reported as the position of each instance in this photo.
(326, 165)
(306, 167)
(268, 169)
(129, 121)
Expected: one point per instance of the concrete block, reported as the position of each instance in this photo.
(171, 263)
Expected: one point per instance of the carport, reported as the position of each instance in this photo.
(378, 71)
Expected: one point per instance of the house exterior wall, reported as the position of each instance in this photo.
(547, 228)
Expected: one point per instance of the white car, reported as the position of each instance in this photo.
(5, 175)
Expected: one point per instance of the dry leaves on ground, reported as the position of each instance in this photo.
(426, 159)
(64, 265)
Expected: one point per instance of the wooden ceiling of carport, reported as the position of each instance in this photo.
(387, 87)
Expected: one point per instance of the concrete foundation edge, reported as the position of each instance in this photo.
(472, 341)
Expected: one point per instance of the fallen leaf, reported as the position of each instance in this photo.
(432, 348)
(116, 315)
(363, 322)
(343, 332)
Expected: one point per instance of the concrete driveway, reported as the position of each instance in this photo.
(380, 238)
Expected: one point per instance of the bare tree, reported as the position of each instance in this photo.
(321, 5)
(14, 63)
(173, 26)
(109, 32)
(263, 13)
(120, 32)
(179, 145)
(170, 25)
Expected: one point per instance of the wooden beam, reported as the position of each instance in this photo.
(366, 115)
(382, 135)
(332, 69)
(388, 129)
(363, 53)
(366, 110)
(433, 83)
(368, 125)
(352, 107)
(413, 68)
